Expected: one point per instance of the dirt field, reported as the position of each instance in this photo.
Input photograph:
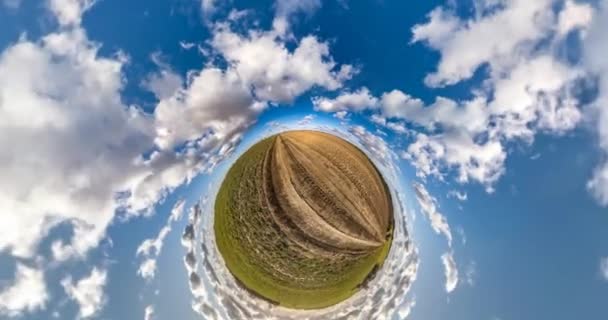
(302, 218)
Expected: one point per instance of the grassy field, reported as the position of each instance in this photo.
(258, 253)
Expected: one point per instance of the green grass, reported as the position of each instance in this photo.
(250, 244)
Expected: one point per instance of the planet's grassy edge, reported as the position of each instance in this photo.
(262, 284)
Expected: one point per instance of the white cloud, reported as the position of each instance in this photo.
(163, 83)
(451, 271)
(482, 163)
(69, 12)
(530, 84)
(437, 30)
(393, 104)
(150, 249)
(99, 155)
(396, 104)
(147, 269)
(54, 92)
(574, 15)
(528, 88)
(87, 292)
(28, 293)
(353, 101)
(428, 205)
(454, 146)
(534, 92)
(596, 44)
(535, 95)
(215, 108)
(397, 127)
(262, 61)
(466, 45)
(378, 119)
(59, 95)
(149, 313)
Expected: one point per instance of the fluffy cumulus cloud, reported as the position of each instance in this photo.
(87, 292)
(479, 162)
(27, 293)
(528, 87)
(214, 109)
(59, 162)
(261, 60)
(355, 101)
(493, 35)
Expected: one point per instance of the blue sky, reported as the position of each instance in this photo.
(488, 117)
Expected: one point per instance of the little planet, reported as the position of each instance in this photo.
(303, 219)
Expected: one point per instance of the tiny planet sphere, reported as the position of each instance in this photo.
(303, 219)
